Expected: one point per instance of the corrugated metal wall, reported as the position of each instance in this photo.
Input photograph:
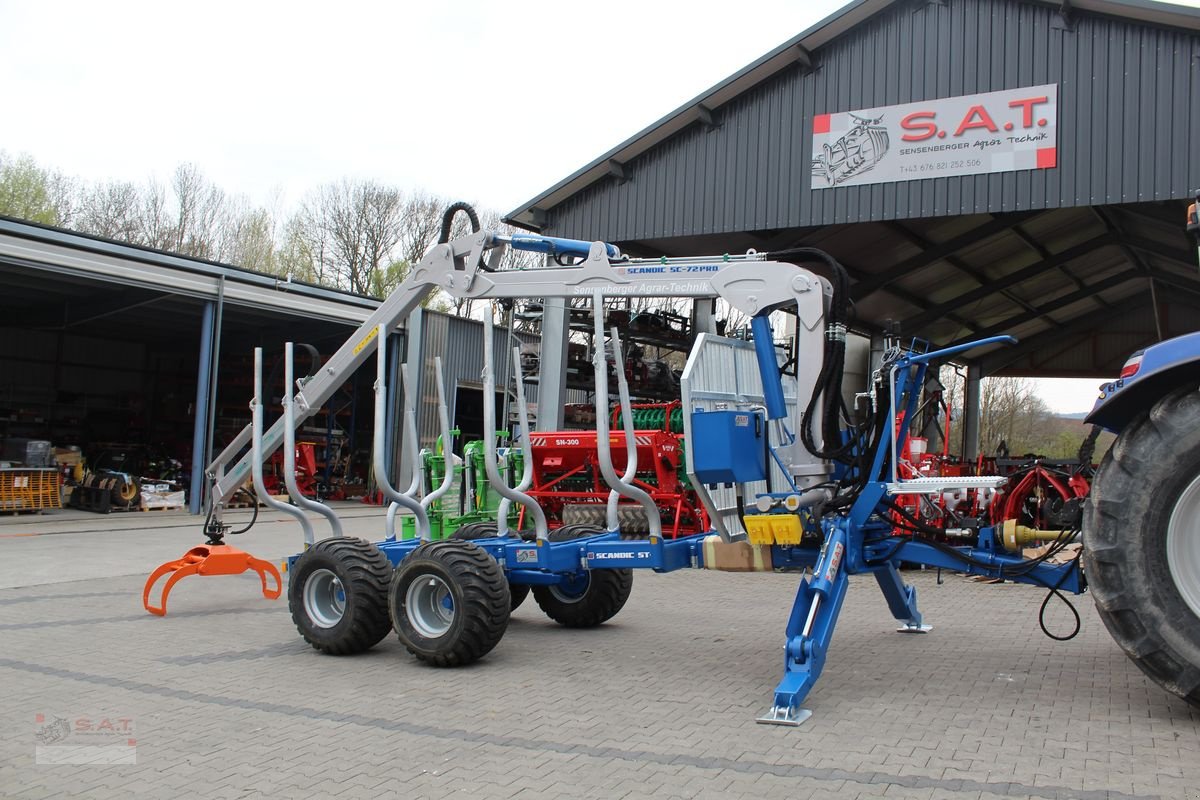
(1127, 101)
(459, 342)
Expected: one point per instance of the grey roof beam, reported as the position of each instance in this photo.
(1161, 251)
(917, 323)
(1066, 300)
(804, 58)
(999, 359)
(1136, 259)
(707, 117)
(1066, 18)
(1156, 213)
(1175, 281)
(1036, 246)
(960, 265)
(938, 252)
(858, 274)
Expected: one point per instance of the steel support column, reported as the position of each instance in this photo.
(214, 381)
(971, 417)
(552, 369)
(200, 426)
(704, 317)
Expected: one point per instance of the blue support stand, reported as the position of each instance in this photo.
(810, 629)
(901, 599)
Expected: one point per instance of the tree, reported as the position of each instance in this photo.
(154, 221)
(250, 241)
(1012, 413)
(361, 221)
(111, 210)
(32, 193)
(201, 212)
(356, 235)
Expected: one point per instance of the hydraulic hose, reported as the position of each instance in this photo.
(829, 381)
(448, 220)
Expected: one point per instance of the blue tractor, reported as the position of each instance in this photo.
(1141, 526)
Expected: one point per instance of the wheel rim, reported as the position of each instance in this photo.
(430, 606)
(324, 598)
(1183, 546)
(572, 589)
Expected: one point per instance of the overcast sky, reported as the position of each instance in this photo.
(488, 102)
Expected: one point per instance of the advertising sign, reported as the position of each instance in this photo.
(1006, 131)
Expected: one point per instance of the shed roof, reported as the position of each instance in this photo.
(1084, 262)
(799, 48)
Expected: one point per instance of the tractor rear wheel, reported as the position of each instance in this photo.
(1141, 534)
(587, 598)
(449, 602)
(337, 594)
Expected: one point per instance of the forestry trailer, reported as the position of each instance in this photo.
(790, 478)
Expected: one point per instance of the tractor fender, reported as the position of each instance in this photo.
(1164, 367)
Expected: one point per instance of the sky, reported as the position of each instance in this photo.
(484, 101)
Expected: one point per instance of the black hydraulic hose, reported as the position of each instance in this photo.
(448, 223)
(253, 517)
(221, 534)
(1053, 591)
(448, 220)
(829, 381)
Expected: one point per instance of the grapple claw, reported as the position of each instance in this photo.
(210, 560)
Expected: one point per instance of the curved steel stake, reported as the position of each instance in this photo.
(256, 448)
(489, 438)
(617, 484)
(378, 460)
(526, 447)
(289, 452)
(447, 441)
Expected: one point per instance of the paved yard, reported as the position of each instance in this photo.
(222, 699)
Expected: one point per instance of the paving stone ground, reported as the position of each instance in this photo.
(225, 700)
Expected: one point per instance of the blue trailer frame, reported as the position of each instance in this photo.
(859, 541)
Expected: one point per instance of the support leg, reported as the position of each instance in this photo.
(901, 599)
(809, 631)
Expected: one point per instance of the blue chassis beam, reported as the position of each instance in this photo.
(549, 563)
(850, 547)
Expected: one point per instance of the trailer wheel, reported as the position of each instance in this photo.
(449, 603)
(631, 520)
(587, 598)
(487, 530)
(474, 530)
(337, 594)
(1141, 534)
(517, 592)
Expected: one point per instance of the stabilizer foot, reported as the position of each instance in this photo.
(792, 716)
